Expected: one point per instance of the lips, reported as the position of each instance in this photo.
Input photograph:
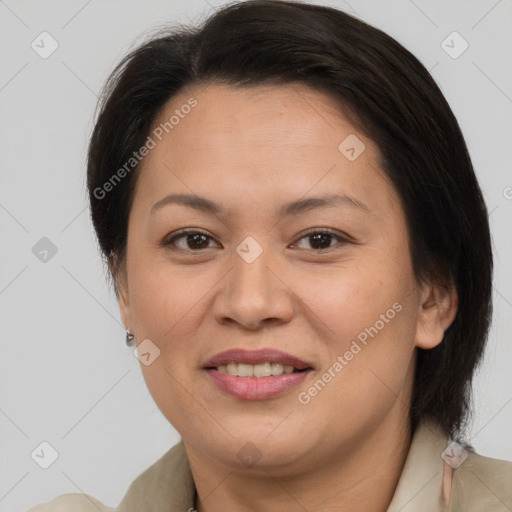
(246, 386)
(255, 357)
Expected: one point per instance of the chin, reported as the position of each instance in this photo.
(260, 445)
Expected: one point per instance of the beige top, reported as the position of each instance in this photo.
(478, 484)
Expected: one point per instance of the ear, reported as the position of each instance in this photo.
(437, 310)
(118, 271)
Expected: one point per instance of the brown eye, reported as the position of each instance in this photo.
(322, 240)
(190, 240)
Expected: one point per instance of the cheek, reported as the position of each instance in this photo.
(165, 305)
(163, 298)
(366, 317)
(357, 299)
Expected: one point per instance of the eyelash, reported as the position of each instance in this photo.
(169, 243)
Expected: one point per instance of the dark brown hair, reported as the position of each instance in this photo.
(391, 98)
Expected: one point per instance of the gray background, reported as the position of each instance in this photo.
(66, 375)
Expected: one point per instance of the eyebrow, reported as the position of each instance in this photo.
(286, 210)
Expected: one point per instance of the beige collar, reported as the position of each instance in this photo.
(425, 482)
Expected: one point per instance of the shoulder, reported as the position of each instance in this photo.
(72, 502)
(166, 484)
(483, 483)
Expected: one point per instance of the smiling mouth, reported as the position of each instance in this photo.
(257, 374)
(261, 370)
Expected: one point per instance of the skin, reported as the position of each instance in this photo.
(251, 150)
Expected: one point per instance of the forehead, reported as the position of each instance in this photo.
(226, 114)
(261, 141)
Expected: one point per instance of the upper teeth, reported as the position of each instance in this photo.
(255, 370)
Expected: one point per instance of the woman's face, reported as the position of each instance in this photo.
(297, 256)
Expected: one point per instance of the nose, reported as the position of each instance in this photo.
(254, 295)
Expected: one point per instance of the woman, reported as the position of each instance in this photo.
(301, 253)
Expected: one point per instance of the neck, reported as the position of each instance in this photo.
(362, 478)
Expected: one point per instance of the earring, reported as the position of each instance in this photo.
(129, 338)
